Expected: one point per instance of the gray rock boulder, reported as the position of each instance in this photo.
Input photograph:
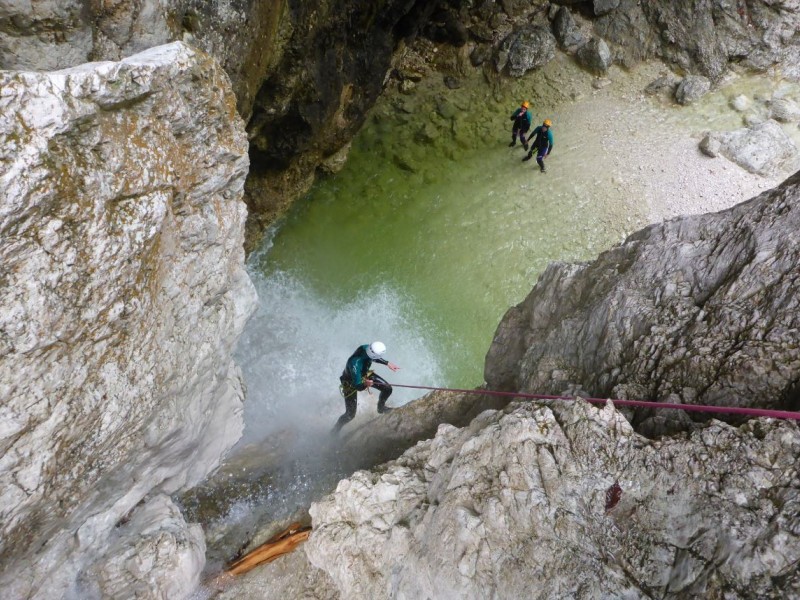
(699, 310)
(569, 502)
(664, 85)
(692, 88)
(784, 110)
(124, 291)
(595, 56)
(710, 145)
(566, 31)
(603, 7)
(525, 49)
(762, 148)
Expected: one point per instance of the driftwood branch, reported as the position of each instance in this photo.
(281, 544)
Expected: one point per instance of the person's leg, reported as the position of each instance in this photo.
(379, 383)
(350, 404)
(540, 158)
(523, 138)
(513, 137)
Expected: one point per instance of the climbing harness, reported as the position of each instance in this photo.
(345, 387)
(731, 410)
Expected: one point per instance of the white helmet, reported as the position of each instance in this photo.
(376, 350)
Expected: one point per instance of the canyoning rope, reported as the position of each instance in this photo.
(731, 410)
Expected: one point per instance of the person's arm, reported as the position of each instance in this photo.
(514, 114)
(383, 361)
(550, 141)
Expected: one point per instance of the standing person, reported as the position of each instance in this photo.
(357, 377)
(522, 123)
(542, 142)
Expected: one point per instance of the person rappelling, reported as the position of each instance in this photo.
(358, 377)
(522, 123)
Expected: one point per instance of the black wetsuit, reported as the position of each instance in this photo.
(352, 378)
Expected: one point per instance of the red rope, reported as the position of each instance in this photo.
(730, 410)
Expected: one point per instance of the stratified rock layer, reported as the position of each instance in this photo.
(569, 502)
(121, 296)
(699, 310)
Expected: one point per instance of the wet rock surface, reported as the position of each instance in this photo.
(691, 89)
(121, 231)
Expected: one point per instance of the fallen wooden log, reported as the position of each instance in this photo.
(281, 544)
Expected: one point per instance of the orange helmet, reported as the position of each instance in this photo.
(525, 104)
(547, 123)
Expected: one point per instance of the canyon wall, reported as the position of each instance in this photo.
(122, 294)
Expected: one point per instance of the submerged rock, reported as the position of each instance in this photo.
(124, 291)
(740, 103)
(692, 88)
(664, 85)
(569, 502)
(784, 110)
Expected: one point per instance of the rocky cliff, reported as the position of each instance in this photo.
(698, 310)
(568, 502)
(121, 296)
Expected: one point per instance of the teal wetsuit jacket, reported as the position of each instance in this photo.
(525, 124)
(542, 142)
(357, 367)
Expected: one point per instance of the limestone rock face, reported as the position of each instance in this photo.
(158, 552)
(698, 310)
(53, 34)
(569, 502)
(703, 37)
(121, 296)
